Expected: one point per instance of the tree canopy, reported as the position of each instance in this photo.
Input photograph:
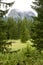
(38, 28)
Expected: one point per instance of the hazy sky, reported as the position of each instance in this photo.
(22, 5)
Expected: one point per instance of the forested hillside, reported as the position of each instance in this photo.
(21, 40)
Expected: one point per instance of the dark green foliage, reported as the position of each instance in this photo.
(37, 35)
(3, 35)
(37, 29)
(12, 29)
(2, 29)
(24, 31)
(3, 25)
(24, 34)
(18, 30)
(19, 26)
(24, 57)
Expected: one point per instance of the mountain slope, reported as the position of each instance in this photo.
(17, 14)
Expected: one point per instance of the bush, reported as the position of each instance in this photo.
(26, 56)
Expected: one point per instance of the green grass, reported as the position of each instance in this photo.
(17, 44)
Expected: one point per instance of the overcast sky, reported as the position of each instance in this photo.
(22, 5)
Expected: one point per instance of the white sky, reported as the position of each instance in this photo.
(22, 5)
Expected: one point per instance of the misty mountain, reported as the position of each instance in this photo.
(17, 14)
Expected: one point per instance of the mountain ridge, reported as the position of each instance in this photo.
(18, 14)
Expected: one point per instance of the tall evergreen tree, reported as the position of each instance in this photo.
(2, 24)
(19, 26)
(38, 28)
(12, 32)
(24, 31)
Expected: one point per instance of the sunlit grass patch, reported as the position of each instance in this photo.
(17, 44)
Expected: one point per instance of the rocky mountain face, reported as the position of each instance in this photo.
(17, 14)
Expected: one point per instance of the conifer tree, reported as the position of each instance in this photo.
(24, 31)
(11, 29)
(3, 24)
(38, 29)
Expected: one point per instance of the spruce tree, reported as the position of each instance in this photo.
(12, 32)
(24, 31)
(3, 24)
(37, 29)
(19, 26)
